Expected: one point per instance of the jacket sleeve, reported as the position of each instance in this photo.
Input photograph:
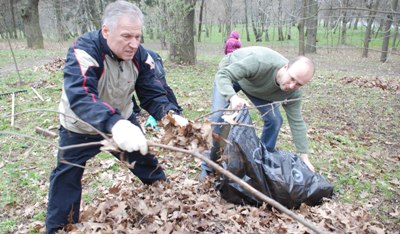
(160, 75)
(81, 75)
(150, 91)
(297, 126)
(244, 68)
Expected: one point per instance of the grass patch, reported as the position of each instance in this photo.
(7, 226)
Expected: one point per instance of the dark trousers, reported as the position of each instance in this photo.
(65, 180)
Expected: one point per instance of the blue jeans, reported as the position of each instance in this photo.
(270, 114)
(65, 180)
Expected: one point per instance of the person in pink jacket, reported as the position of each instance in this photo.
(233, 43)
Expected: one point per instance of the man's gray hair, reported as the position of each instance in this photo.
(119, 8)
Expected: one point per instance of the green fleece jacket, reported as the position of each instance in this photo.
(255, 69)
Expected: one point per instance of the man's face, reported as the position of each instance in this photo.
(295, 76)
(124, 38)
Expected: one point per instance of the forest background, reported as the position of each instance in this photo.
(351, 108)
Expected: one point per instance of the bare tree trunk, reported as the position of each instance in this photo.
(386, 37)
(30, 18)
(228, 16)
(163, 25)
(355, 26)
(94, 14)
(395, 34)
(13, 30)
(289, 32)
(182, 49)
(5, 28)
(381, 24)
(280, 30)
(83, 22)
(208, 27)
(246, 18)
(300, 26)
(371, 18)
(62, 30)
(312, 26)
(385, 42)
(189, 52)
(258, 22)
(345, 20)
(252, 20)
(200, 21)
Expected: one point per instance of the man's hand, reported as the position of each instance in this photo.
(305, 159)
(237, 102)
(129, 137)
(180, 121)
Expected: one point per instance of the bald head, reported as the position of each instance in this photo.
(303, 67)
(295, 74)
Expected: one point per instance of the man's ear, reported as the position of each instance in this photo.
(105, 31)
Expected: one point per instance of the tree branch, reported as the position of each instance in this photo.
(273, 104)
(359, 9)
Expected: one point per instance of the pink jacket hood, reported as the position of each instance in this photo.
(234, 34)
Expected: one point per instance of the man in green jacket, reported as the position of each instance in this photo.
(264, 76)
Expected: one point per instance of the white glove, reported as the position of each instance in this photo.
(305, 159)
(129, 137)
(180, 121)
(237, 102)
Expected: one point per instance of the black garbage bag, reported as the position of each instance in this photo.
(282, 176)
(291, 182)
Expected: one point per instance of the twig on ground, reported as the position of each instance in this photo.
(45, 132)
(37, 94)
(12, 108)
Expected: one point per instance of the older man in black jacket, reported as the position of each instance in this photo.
(102, 71)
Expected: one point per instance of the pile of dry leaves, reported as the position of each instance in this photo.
(183, 205)
(54, 66)
(372, 83)
(195, 136)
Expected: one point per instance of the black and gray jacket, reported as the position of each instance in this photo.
(98, 87)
